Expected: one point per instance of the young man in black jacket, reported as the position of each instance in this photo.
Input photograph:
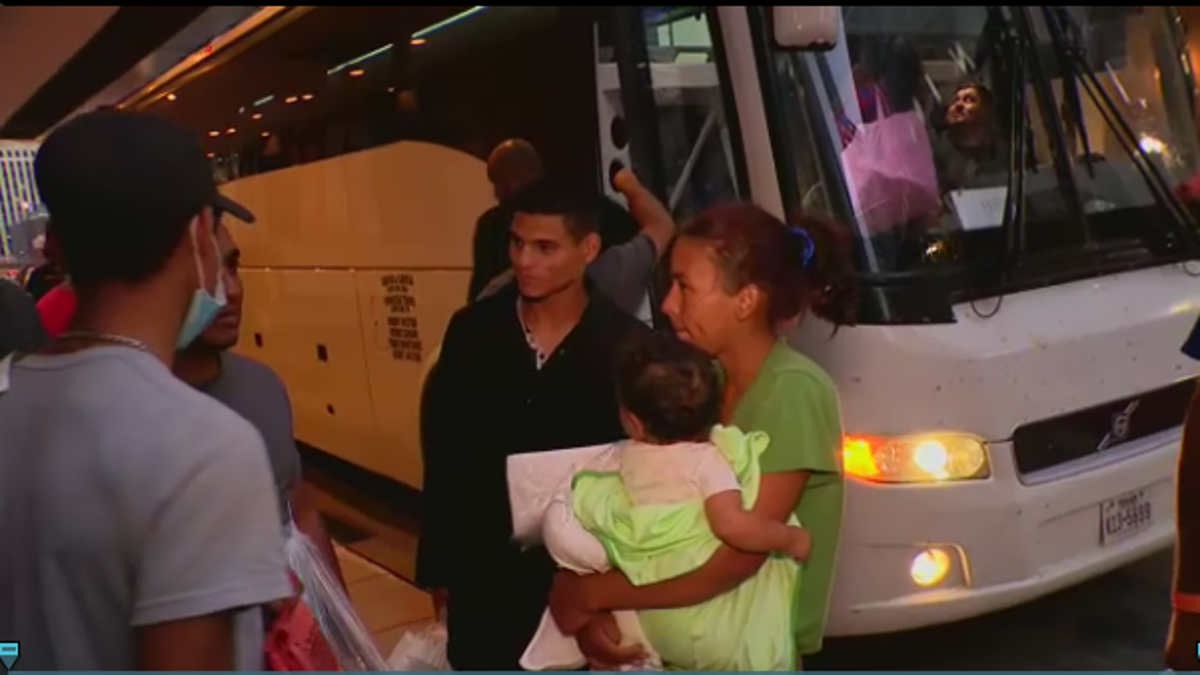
(527, 369)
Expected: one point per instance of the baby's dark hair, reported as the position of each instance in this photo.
(670, 386)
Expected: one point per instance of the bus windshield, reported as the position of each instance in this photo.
(986, 149)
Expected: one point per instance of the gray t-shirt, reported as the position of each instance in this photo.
(255, 392)
(622, 273)
(128, 499)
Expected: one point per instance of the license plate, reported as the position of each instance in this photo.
(1124, 515)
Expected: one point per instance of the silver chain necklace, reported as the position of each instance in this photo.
(119, 340)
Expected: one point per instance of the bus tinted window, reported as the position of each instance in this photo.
(337, 80)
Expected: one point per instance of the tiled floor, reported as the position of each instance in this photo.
(387, 605)
(372, 517)
(375, 533)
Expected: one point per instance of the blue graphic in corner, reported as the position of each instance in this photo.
(9, 651)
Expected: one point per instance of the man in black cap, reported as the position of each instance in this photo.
(139, 525)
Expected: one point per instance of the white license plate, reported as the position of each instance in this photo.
(1124, 515)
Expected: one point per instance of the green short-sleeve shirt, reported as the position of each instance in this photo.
(794, 401)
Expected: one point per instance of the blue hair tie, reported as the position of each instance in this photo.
(810, 246)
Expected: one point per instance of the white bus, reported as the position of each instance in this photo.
(1014, 390)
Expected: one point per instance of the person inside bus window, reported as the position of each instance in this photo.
(533, 366)
(512, 166)
(971, 151)
(888, 78)
(139, 524)
(255, 392)
(740, 278)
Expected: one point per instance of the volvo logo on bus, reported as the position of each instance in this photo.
(1121, 424)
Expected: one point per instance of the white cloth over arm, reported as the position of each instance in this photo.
(540, 497)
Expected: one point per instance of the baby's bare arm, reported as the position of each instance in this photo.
(745, 531)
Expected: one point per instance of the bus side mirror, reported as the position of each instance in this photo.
(799, 28)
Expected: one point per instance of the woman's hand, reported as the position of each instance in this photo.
(569, 603)
(600, 642)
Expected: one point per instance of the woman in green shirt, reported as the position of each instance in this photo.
(740, 277)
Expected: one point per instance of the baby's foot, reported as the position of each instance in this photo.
(801, 544)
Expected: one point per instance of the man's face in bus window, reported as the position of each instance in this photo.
(547, 257)
(967, 108)
(223, 333)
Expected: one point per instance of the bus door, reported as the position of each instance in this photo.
(666, 111)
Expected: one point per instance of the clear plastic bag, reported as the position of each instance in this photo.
(349, 639)
(421, 650)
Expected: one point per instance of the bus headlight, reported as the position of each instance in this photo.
(927, 458)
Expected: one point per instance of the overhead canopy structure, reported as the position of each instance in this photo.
(57, 59)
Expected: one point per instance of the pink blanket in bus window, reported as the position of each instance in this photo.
(890, 172)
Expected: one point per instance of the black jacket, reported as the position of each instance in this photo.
(486, 400)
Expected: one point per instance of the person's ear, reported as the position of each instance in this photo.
(632, 425)
(591, 246)
(748, 301)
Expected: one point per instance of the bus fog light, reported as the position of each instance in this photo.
(930, 567)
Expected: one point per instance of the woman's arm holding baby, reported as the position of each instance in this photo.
(575, 599)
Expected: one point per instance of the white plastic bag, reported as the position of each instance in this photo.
(350, 641)
(421, 650)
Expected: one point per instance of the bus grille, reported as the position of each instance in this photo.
(1104, 428)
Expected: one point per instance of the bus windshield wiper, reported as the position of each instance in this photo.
(1013, 67)
(1044, 98)
(1070, 87)
(1065, 32)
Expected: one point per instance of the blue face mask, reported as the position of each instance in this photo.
(205, 306)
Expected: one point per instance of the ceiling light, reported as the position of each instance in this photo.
(417, 42)
(230, 131)
(266, 134)
(171, 97)
(357, 72)
(307, 97)
(446, 22)
(359, 59)
(291, 99)
(256, 116)
(214, 134)
(210, 155)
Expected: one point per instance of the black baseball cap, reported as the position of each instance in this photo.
(111, 166)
